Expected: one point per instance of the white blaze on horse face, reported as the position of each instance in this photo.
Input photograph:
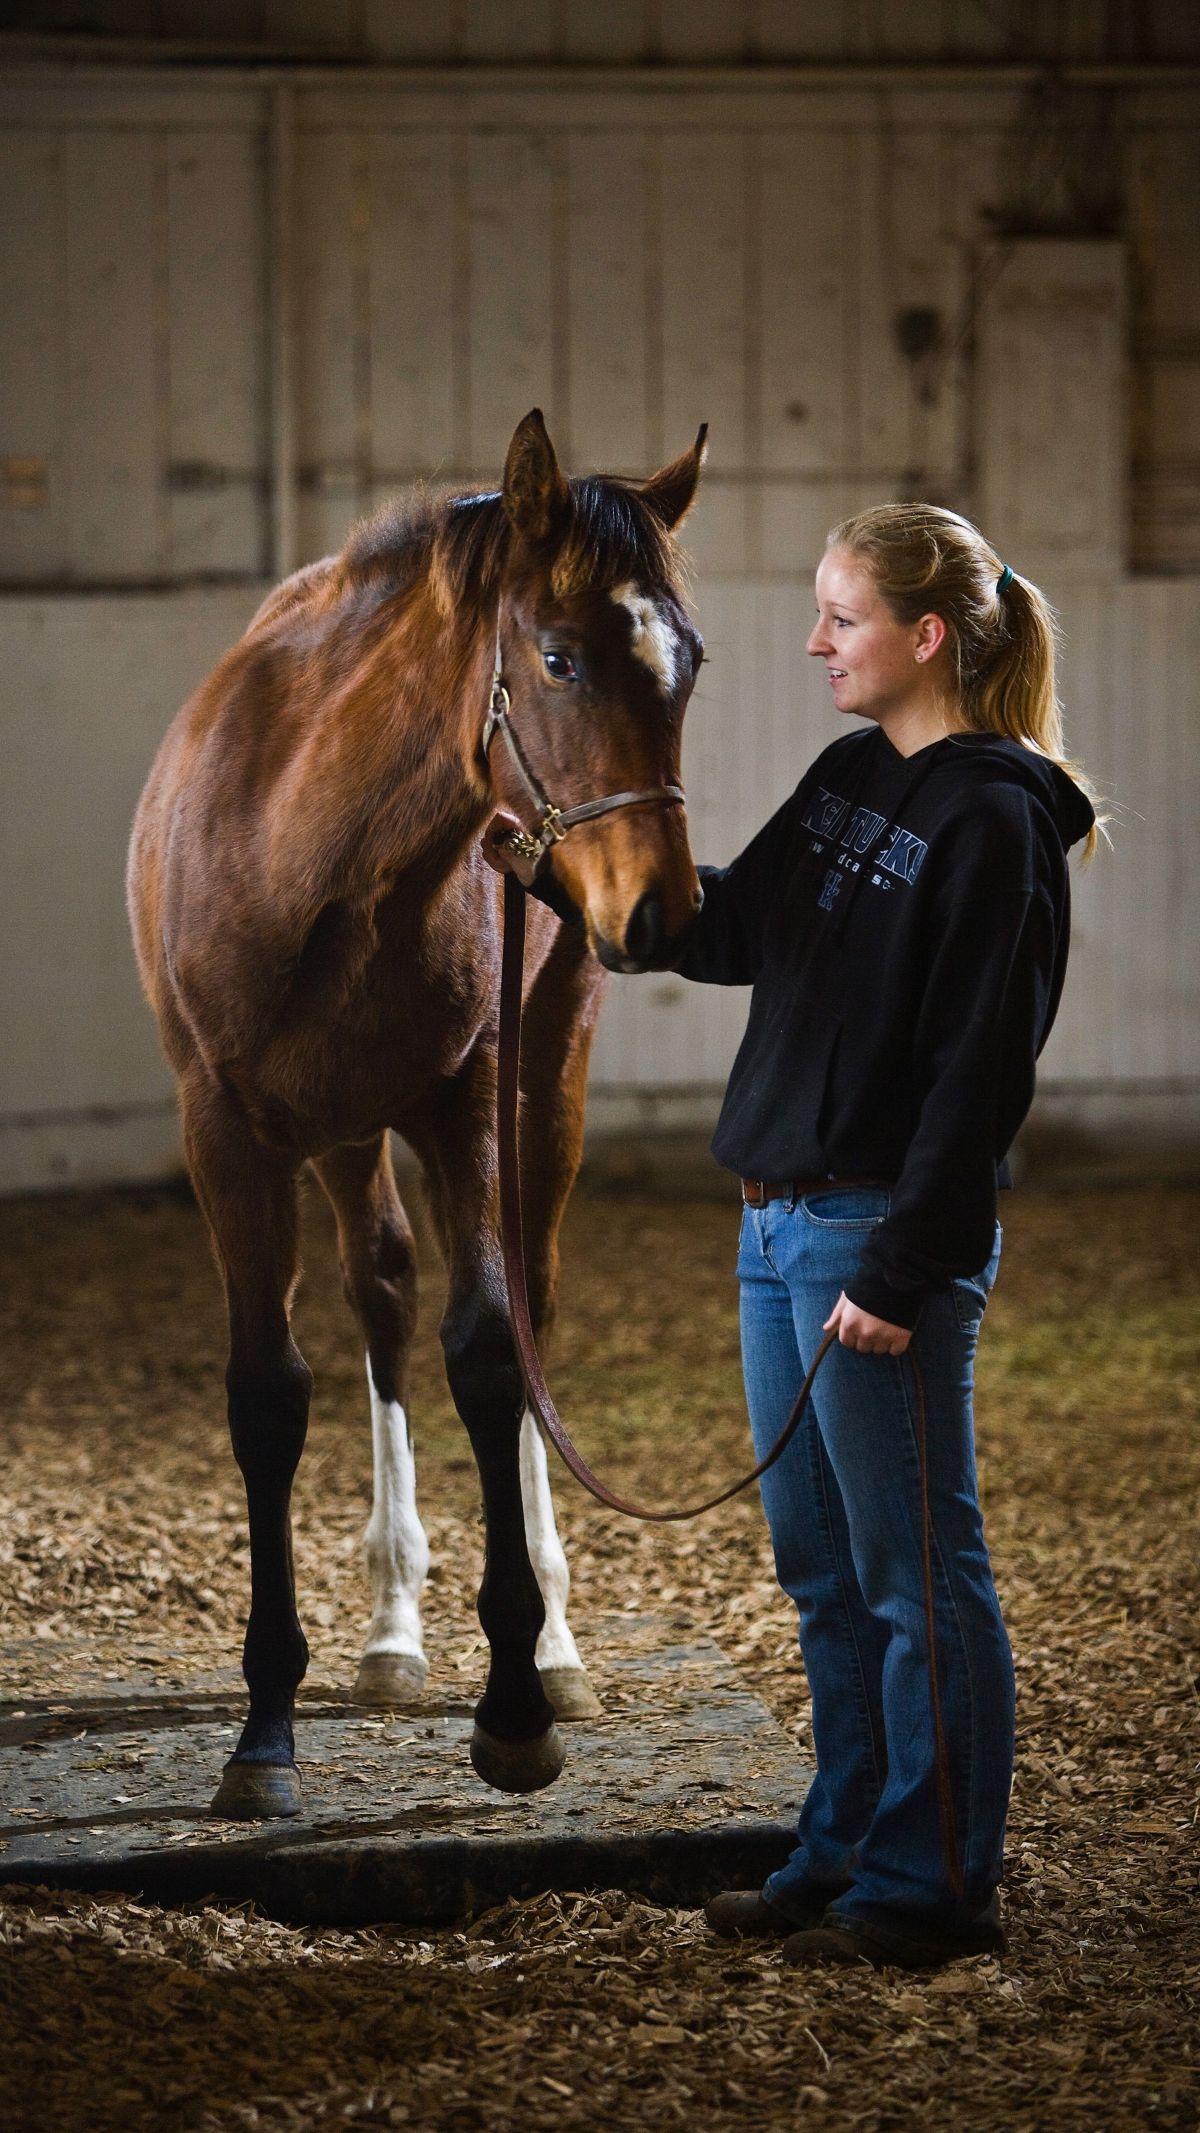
(394, 1544)
(655, 641)
(556, 1646)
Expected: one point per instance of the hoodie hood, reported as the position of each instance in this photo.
(997, 760)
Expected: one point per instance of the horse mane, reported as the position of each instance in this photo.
(461, 544)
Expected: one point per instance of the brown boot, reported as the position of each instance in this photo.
(903, 1940)
(745, 1914)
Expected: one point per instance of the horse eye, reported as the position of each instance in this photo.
(559, 666)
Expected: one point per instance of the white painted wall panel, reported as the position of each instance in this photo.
(1052, 398)
(116, 336)
(612, 303)
(34, 533)
(707, 306)
(216, 327)
(329, 192)
(90, 685)
(517, 295)
(412, 262)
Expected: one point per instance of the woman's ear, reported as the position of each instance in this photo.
(930, 636)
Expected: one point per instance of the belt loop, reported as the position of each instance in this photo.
(793, 1196)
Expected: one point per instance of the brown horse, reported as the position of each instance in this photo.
(317, 933)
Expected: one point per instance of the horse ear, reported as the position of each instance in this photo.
(671, 492)
(535, 487)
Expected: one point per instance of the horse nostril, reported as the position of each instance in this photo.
(645, 935)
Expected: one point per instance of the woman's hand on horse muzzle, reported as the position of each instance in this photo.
(500, 855)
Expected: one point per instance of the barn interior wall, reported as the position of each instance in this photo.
(853, 287)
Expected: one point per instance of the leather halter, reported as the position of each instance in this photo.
(552, 822)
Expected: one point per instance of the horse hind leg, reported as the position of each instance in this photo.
(375, 1244)
(249, 1201)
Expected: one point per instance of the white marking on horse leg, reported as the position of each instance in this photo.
(394, 1544)
(655, 641)
(556, 1646)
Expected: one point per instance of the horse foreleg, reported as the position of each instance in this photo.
(515, 1745)
(564, 1677)
(249, 1201)
(560, 1015)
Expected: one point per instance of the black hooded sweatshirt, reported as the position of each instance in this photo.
(904, 924)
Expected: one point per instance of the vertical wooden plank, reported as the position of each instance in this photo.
(703, 298)
(921, 271)
(118, 515)
(1179, 779)
(216, 280)
(898, 30)
(325, 339)
(882, 431)
(412, 302)
(1155, 856)
(1051, 402)
(975, 32)
(321, 24)
(606, 249)
(618, 30)
(837, 30)
(33, 492)
(227, 20)
(802, 241)
(702, 29)
(1081, 1043)
(509, 29)
(422, 29)
(511, 180)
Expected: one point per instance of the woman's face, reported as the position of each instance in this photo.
(876, 665)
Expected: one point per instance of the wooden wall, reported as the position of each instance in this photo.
(741, 31)
(635, 265)
(634, 259)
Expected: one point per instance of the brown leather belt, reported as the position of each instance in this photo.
(757, 1191)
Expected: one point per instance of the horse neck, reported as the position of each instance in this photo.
(425, 699)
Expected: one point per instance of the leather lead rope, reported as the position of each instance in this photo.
(513, 1245)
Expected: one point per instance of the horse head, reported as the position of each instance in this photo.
(599, 658)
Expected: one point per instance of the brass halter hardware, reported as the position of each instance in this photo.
(552, 822)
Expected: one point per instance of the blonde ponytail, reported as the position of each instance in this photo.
(1001, 631)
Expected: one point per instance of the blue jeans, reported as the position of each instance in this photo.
(844, 1505)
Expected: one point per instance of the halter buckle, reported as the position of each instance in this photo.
(551, 827)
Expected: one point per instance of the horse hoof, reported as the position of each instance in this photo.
(570, 1691)
(395, 1679)
(517, 1765)
(257, 1792)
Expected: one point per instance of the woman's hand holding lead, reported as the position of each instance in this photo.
(500, 856)
(870, 1336)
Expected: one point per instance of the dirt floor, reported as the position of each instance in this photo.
(122, 1544)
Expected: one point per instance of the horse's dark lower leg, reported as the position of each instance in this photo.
(249, 1201)
(268, 1421)
(375, 1244)
(515, 1745)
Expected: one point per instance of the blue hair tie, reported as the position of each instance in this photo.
(1004, 580)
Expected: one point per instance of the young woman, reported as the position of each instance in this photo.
(903, 920)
